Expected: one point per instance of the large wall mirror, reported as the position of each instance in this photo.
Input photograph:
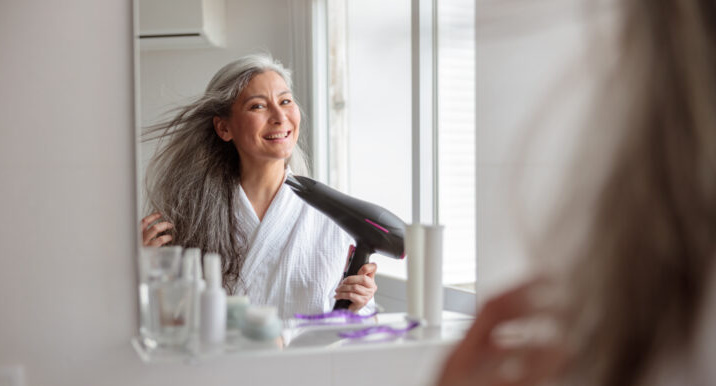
(351, 65)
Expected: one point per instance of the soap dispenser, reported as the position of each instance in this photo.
(192, 274)
(212, 325)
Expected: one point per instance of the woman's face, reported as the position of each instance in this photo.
(264, 120)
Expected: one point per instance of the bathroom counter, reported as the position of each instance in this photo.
(298, 339)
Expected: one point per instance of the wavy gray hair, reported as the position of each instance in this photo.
(193, 177)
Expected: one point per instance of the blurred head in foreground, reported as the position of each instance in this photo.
(638, 269)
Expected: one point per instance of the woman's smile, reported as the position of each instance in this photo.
(278, 136)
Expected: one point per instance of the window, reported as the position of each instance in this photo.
(369, 136)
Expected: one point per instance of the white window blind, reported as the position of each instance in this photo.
(456, 139)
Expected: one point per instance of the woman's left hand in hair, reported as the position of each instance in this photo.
(360, 288)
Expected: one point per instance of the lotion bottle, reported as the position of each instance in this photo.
(194, 255)
(191, 299)
(212, 325)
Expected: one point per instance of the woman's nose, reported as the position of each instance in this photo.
(277, 114)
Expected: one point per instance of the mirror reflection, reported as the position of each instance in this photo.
(217, 184)
(231, 111)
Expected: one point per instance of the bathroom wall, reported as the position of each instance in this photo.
(534, 80)
(67, 272)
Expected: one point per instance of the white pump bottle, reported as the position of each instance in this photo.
(212, 325)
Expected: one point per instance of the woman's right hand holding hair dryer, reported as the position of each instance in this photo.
(153, 231)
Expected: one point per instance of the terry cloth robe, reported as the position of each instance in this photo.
(296, 256)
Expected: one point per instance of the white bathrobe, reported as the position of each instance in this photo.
(296, 256)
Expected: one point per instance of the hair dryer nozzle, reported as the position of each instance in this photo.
(367, 223)
(293, 182)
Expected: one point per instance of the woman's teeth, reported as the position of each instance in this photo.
(277, 135)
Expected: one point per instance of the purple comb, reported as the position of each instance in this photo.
(335, 314)
(357, 334)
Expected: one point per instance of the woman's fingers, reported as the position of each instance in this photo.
(155, 230)
(352, 296)
(486, 357)
(363, 280)
(360, 288)
(368, 269)
(510, 305)
(159, 241)
(357, 301)
(354, 288)
(149, 220)
(152, 231)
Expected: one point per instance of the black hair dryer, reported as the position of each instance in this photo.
(374, 228)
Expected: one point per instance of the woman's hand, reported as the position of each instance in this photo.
(151, 236)
(360, 288)
(489, 356)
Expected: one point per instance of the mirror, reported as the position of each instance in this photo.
(367, 67)
(366, 102)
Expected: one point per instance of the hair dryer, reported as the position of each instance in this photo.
(374, 228)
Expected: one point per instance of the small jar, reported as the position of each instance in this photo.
(261, 323)
(236, 312)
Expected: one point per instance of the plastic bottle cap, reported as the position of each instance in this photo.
(192, 252)
(212, 270)
(187, 268)
(261, 315)
(198, 271)
(191, 257)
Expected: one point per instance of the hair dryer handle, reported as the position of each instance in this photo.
(360, 257)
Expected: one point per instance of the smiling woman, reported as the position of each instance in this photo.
(263, 125)
(216, 183)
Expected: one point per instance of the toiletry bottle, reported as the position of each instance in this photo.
(212, 325)
(199, 285)
(415, 249)
(192, 276)
(187, 281)
(433, 279)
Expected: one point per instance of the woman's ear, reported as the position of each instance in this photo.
(221, 129)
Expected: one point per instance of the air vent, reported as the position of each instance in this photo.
(181, 24)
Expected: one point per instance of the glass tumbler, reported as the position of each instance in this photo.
(164, 297)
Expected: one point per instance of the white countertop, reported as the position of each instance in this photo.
(299, 338)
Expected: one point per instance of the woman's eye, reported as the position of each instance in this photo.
(257, 106)
(286, 101)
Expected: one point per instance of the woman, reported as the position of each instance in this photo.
(217, 184)
(638, 288)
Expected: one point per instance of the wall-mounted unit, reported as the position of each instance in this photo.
(175, 24)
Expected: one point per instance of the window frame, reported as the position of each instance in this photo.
(310, 63)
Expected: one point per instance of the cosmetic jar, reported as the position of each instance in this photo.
(261, 323)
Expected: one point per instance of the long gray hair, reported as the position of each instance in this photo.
(193, 177)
